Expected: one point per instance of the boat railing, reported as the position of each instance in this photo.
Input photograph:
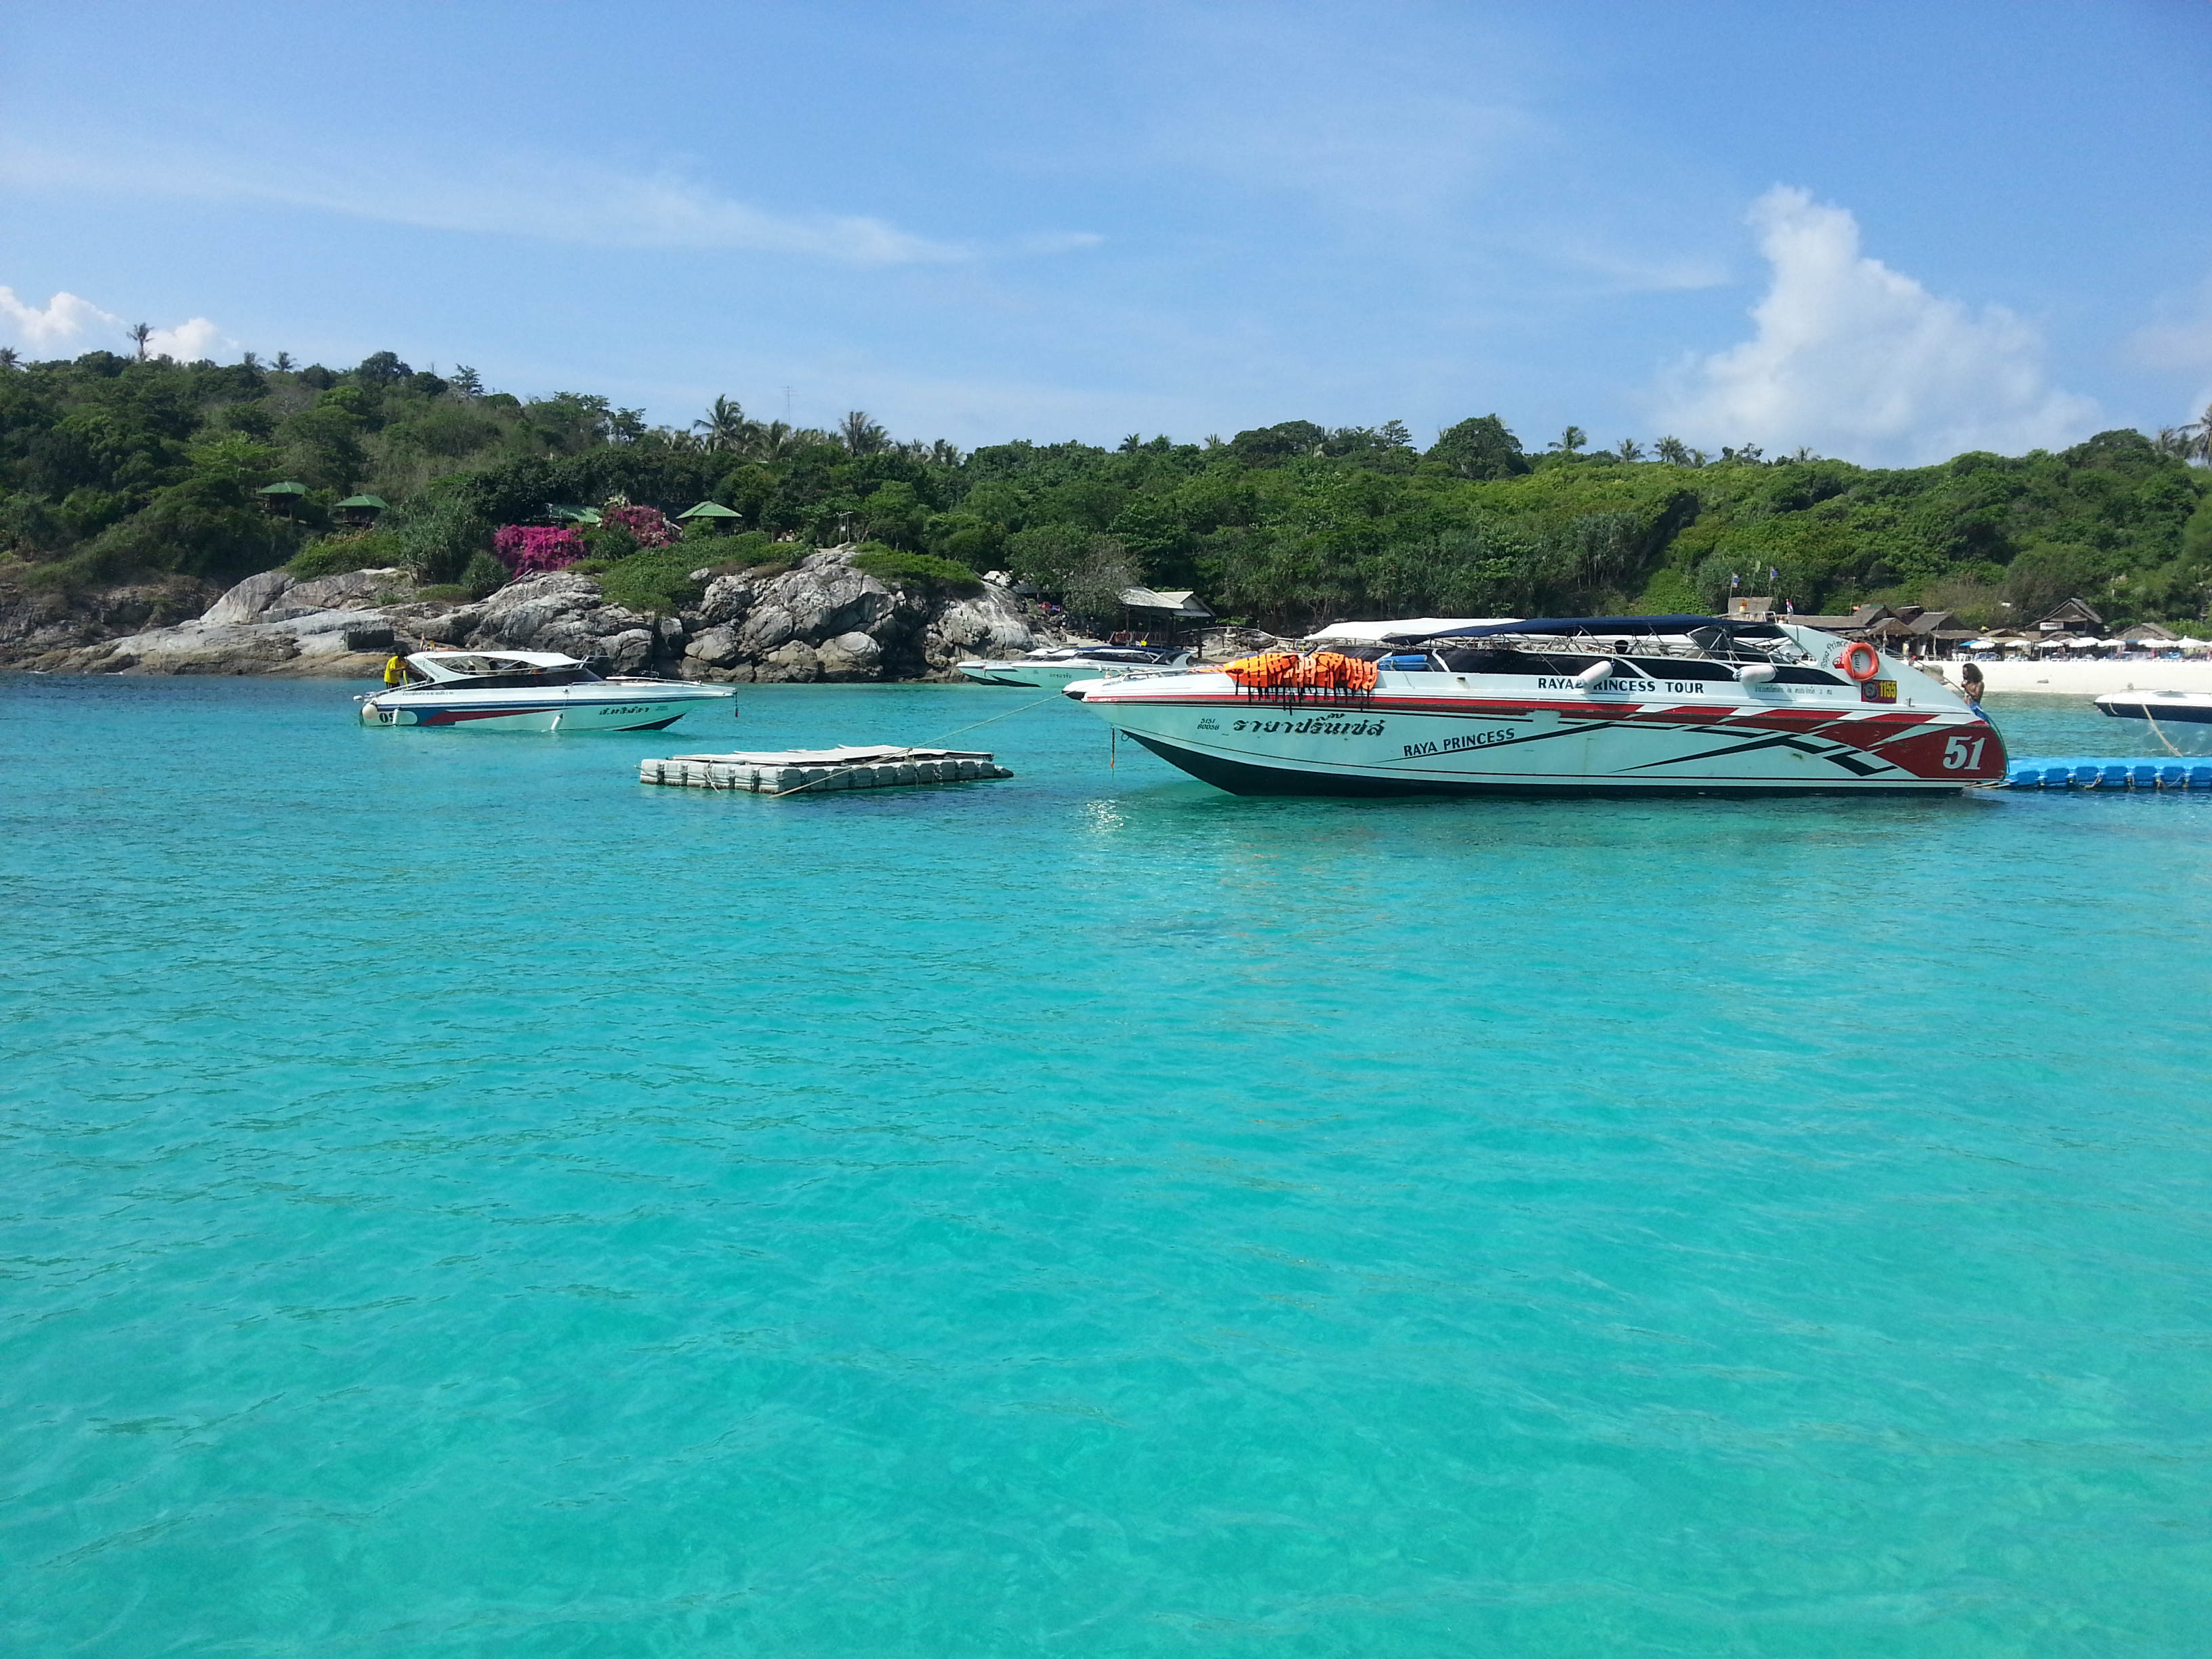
(1598, 644)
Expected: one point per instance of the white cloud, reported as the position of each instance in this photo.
(546, 200)
(70, 320)
(2180, 344)
(1631, 272)
(1862, 362)
(188, 342)
(61, 319)
(2181, 339)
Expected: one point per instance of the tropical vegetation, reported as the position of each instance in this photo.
(116, 467)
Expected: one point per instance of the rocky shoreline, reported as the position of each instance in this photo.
(820, 620)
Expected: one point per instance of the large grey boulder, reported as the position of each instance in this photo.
(793, 662)
(274, 596)
(714, 647)
(764, 628)
(851, 656)
(727, 598)
(195, 648)
(560, 610)
(820, 620)
(993, 623)
(246, 602)
(276, 636)
(629, 652)
(435, 624)
(355, 590)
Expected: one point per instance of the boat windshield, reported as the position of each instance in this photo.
(490, 670)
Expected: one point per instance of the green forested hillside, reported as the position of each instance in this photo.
(112, 469)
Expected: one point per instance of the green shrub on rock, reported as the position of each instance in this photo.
(924, 571)
(654, 581)
(483, 576)
(334, 555)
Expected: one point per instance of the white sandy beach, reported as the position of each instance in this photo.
(2086, 679)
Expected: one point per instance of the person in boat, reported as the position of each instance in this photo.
(396, 672)
(1970, 683)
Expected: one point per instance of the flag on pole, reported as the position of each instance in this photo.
(1772, 574)
(1735, 580)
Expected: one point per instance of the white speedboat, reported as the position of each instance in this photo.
(1573, 706)
(532, 691)
(1053, 667)
(2182, 719)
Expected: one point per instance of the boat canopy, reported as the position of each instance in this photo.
(1412, 628)
(1735, 627)
(547, 667)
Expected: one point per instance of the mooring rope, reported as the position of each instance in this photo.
(2152, 720)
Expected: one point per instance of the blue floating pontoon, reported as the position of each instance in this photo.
(2076, 772)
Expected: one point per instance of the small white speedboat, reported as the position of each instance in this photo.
(532, 691)
(1055, 667)
(2183, 719)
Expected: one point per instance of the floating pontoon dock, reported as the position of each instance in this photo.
(817, 770)
(2080, 772)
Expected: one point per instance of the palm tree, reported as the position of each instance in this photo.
(2197, 439)
(283, 365)
(770, 440)
(1571, 440)
(1630, 450)
(141, 332)
(1133, 443)
(8, 357)
(726, 425)
(860, 434)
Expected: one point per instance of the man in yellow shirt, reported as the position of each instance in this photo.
(395, 669)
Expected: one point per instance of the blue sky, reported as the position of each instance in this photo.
(1887, 232)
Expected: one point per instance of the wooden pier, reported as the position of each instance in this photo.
(816, 771)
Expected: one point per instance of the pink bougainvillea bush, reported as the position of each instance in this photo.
(648, 526)
(527, 548)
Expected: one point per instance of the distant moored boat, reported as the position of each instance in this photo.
(532, 691)
(2182, 719)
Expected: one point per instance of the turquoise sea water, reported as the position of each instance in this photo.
(458, 1201)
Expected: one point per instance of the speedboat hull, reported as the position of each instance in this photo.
(2164, 721)
(1055, 668)
(599, 705)
(1052, 676)
(1418, 733)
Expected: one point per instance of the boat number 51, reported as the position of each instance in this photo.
(1963, 754)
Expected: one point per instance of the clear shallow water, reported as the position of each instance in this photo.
(461, 1202)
